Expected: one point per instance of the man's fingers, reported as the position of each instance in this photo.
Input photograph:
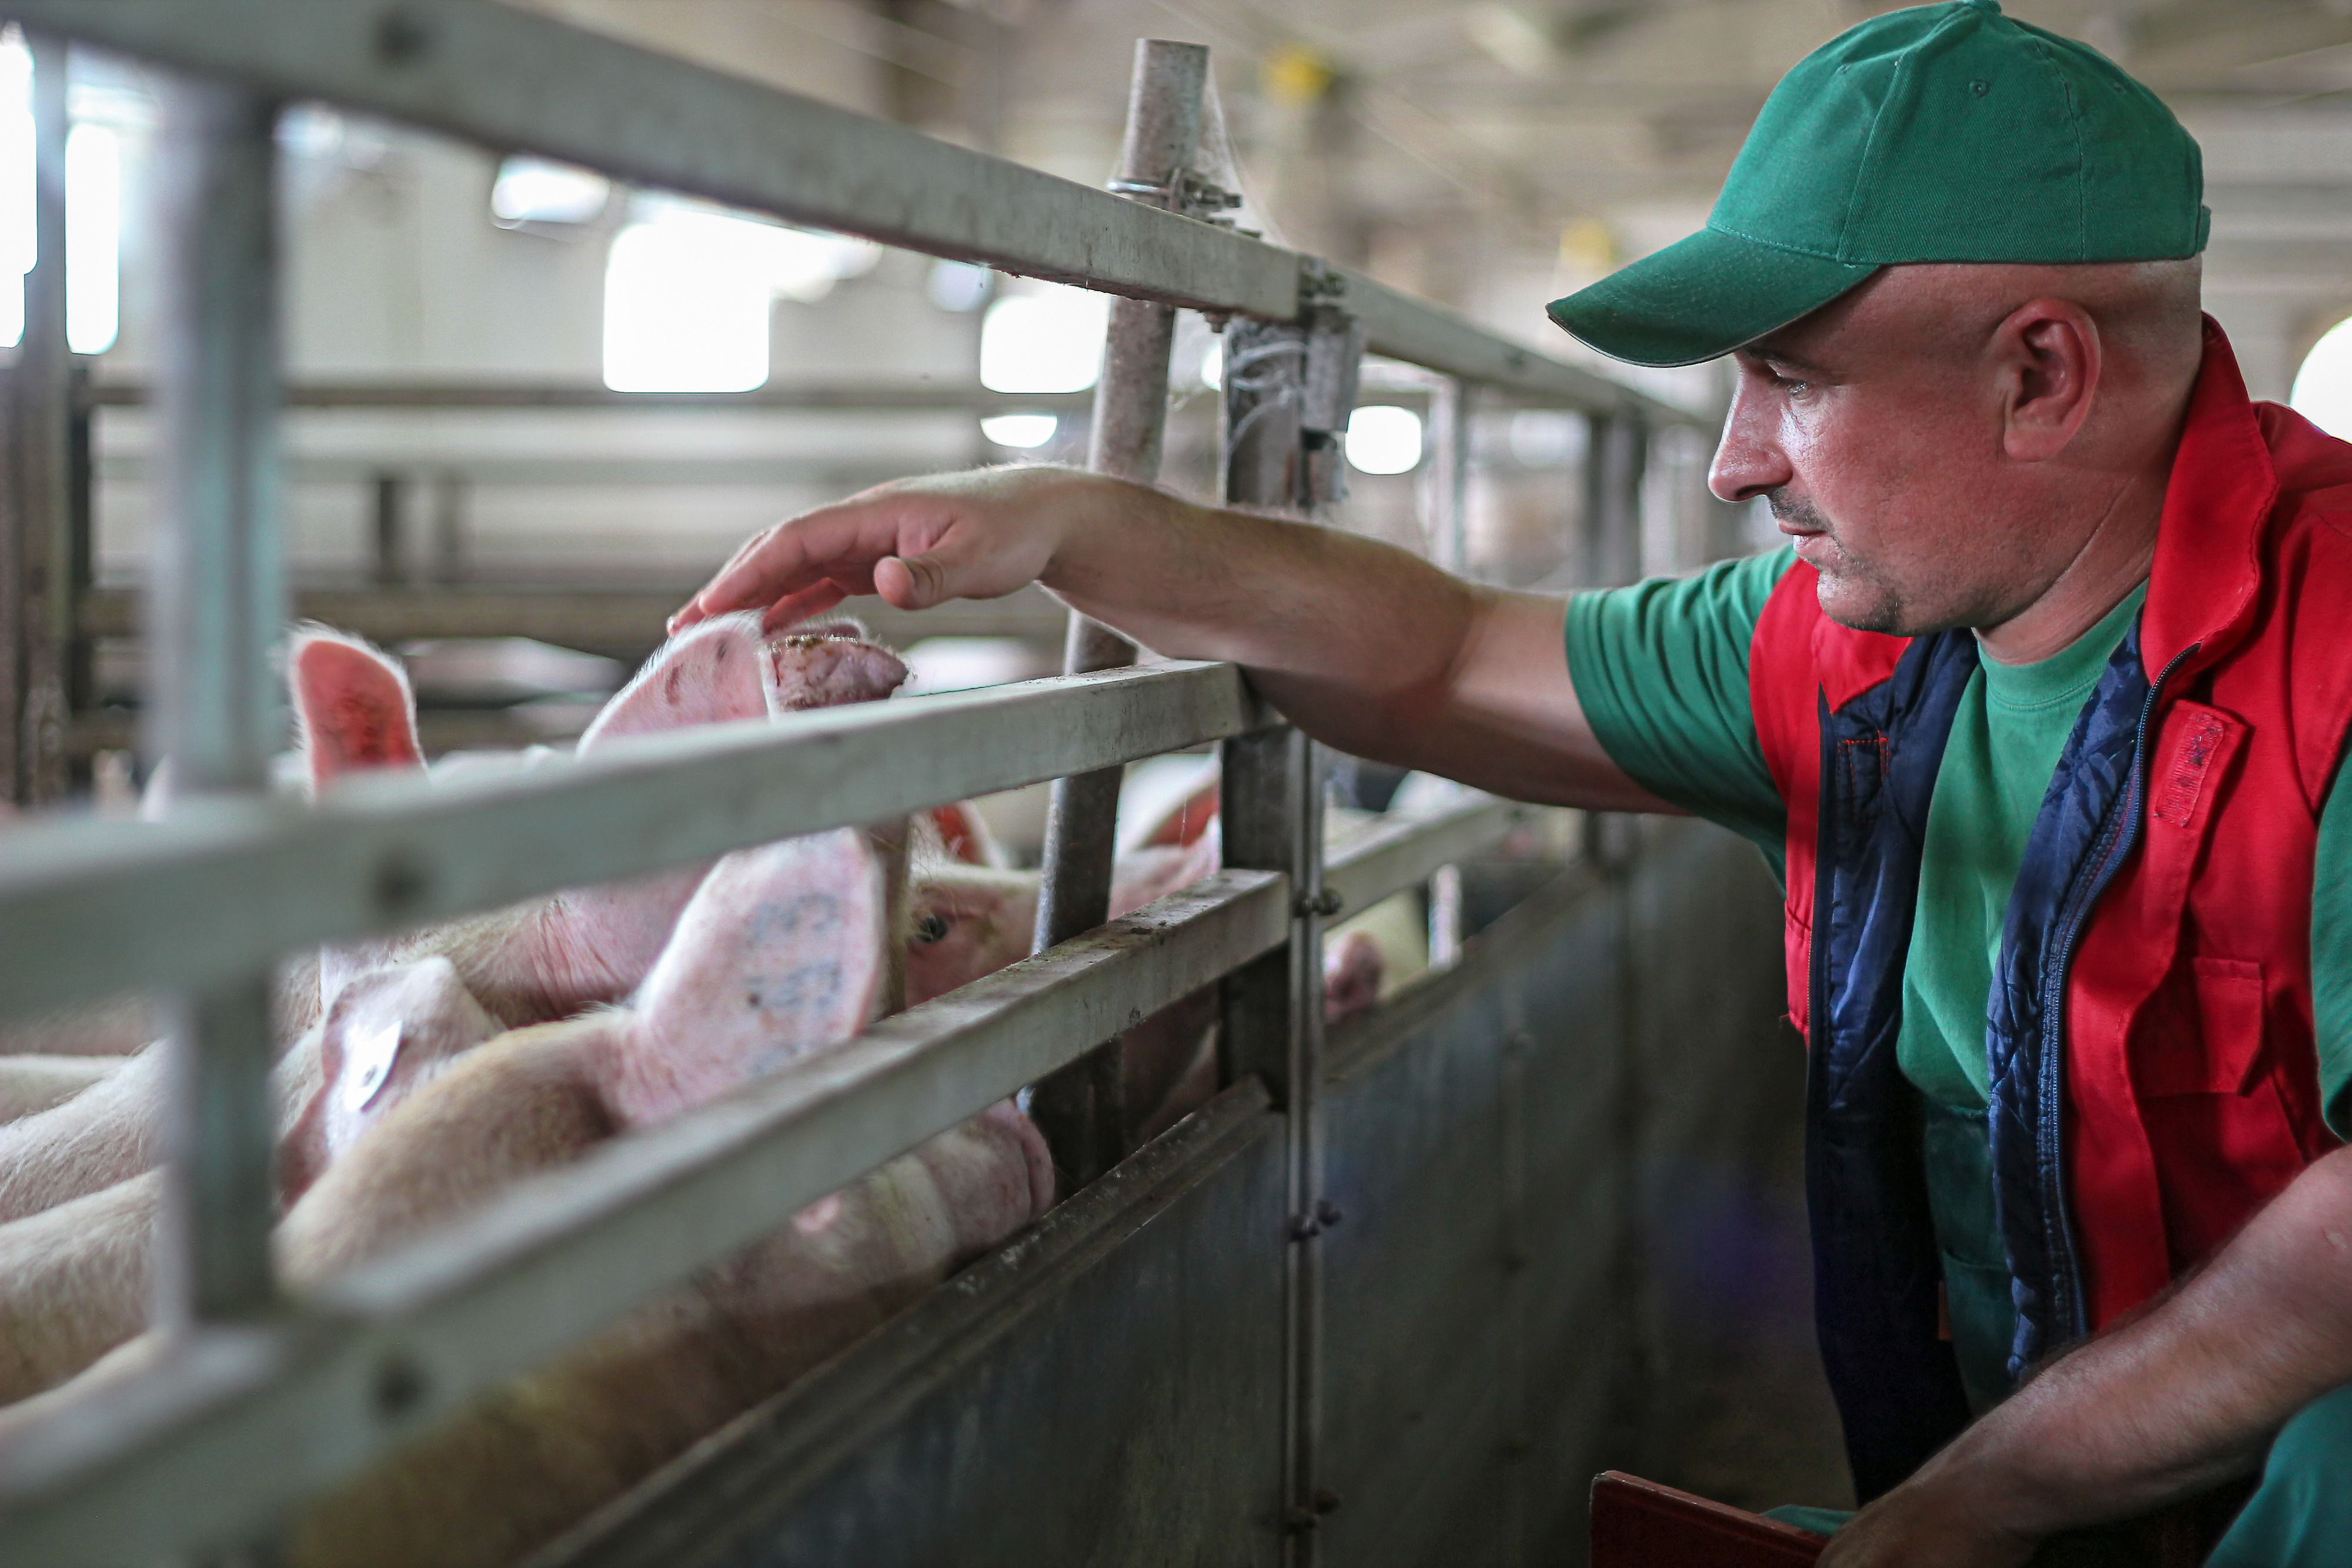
(794, 608)
(911, 583)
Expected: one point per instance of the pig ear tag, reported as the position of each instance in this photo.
(367, 1065)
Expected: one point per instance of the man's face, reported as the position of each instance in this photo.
(1873, 431)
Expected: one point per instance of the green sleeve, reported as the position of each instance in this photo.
(2331, 956)
(1661, 670)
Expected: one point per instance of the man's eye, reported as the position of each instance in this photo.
(930, 926)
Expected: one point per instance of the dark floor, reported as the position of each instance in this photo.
(1740, 1411)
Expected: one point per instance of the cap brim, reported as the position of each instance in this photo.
(1701, 297)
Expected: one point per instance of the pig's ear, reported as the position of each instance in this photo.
(710, 674)
(965, 837)
(354, 705)
(1187, 822)
(782, 953)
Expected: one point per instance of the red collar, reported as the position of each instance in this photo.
(2201, 590)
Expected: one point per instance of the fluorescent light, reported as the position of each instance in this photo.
(1383, 439)
(1046, 340)
(1213, 365)
(536, 191)
(1022, 430)
(688, 290)
(93, 239)
(18, 243)
(958, 286)
(2323, 387)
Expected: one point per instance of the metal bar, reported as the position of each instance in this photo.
(86, 907)
(1081, 1110)
(219, 609)
(1404, 851)
(390, 517)
(508, 80)
(1615, 456)
(136, 1470)
(43, 389)
(628, 621)
(1447, 495)
(860, 395)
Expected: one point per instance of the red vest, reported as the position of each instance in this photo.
(2191, 1085)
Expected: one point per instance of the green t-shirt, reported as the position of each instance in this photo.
(1661, 669)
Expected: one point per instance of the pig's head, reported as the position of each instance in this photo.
(957, 835)
(352, 705)
(1353, 967)
(781, 952)
(965, 922)
(386, 1034)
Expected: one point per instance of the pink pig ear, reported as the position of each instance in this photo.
(353, 705)
(965, 836)
(710, 674)
(1191, 818)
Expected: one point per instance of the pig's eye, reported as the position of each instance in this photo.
(929, 926)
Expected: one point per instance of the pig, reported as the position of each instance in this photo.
(781, 954)
(540, 960)
(31, 1083)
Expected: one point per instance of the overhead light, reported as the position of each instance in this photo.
(1213, 365)
(1383, 439)
(1021, 430)
(958, 286)
(689, 289)
(537, 191)
(93, 238)
(1048, 340)
(2323, 387)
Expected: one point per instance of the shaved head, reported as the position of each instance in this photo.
(1965, 444)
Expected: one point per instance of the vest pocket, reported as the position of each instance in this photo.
(2210, 1040)
(2215, 1122)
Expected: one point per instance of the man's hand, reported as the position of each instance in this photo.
(917, 543)
(1930, 1521)
(2171, 1405)
(1365, 647)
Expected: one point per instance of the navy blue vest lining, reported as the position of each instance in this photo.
(1875, 1259)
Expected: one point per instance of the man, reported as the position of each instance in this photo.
(2040, 714)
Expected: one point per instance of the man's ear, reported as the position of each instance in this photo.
(2048, 357)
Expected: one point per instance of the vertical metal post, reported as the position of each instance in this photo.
(1448, 497)
(449, 528)
(1614, 457)
(1271, 810)
(391, 519)
(219, 606)
(1081, 1109)
(41, 395)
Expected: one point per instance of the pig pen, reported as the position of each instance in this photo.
(1499, 1140)
(1384, 1298)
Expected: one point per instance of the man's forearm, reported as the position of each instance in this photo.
(1368, 647)
(2187, 1395)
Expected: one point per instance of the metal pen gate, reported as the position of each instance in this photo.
(202, 904)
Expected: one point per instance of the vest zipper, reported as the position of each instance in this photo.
(2123, 833)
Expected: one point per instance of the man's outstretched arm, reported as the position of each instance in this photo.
(1365, 646)
(2179, 1400)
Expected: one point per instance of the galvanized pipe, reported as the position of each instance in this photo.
(219, 607)
(41, 416)
(1080, 1110)
(1272, 818)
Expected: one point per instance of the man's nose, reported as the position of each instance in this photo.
(1749, 460)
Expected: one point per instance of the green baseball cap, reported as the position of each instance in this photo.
(1938, 133)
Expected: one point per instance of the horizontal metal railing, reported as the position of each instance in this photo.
(88, 907)
(508, 80)
(402, 1341)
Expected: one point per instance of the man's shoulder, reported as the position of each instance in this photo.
(2314, 473)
